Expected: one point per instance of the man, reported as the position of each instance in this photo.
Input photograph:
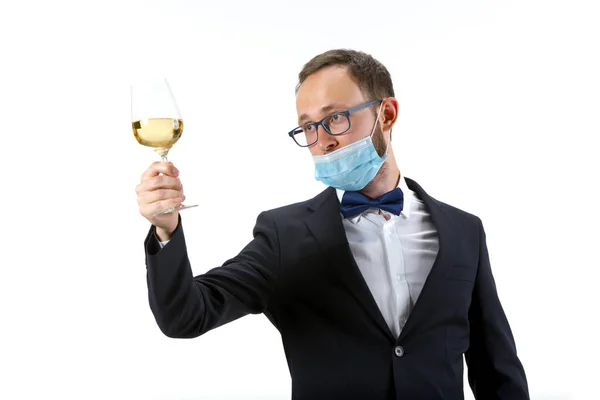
(377, 288)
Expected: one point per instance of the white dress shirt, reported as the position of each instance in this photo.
(394, 256)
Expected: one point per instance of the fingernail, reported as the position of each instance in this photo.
(174, 170)
(183, 198)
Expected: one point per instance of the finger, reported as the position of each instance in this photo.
(158, 195)
(158, 182)
(160, 167)
(148, 210)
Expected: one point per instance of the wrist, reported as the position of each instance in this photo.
(162, 234)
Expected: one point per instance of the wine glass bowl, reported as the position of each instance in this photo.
(159, 133)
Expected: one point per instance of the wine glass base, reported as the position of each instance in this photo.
(173, 209)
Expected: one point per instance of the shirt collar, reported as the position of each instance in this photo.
(408, 197)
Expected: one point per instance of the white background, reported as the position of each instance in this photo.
(499, 116)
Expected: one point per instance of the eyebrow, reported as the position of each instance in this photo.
(325, 109)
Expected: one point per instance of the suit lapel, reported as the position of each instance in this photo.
(325, 224)
(423, 307)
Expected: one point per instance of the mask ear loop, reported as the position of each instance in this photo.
(374, 126)
(376, 120)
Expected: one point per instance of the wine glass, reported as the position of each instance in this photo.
(156, 121)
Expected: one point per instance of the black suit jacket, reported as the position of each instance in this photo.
(299, 271)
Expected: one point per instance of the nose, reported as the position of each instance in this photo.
(326, 142)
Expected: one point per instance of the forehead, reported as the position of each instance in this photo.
(330, 85)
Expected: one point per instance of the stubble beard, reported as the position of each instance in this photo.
(379, 141)
(381, 148)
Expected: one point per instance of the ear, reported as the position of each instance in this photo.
(389, 113)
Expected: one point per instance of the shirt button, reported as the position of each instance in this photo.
(399, 351)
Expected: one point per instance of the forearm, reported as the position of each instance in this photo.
(495, 371)
(174, 298)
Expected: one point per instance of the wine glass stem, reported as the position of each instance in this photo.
(162, 152)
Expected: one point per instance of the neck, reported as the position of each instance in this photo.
(386, 179)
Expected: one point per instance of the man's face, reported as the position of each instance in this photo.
(328, 90)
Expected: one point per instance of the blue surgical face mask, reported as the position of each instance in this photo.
(353, 166)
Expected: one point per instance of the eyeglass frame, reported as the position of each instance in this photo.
(326, 128)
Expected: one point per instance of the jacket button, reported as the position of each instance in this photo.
(399, 351)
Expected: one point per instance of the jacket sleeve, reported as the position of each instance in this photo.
(185, 306)
(494, 370)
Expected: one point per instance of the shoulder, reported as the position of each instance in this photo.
(459, 213)
(460, 218)
(301, 209)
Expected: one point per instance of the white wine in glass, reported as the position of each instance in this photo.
(156, 121)
(158, 133)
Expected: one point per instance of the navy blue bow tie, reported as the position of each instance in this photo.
(355, 203)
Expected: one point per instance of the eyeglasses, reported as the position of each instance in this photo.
(334, 124)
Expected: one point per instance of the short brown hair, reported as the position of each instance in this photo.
(371, 76)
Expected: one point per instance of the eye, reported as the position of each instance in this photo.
(336, 118)
(308, 128)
